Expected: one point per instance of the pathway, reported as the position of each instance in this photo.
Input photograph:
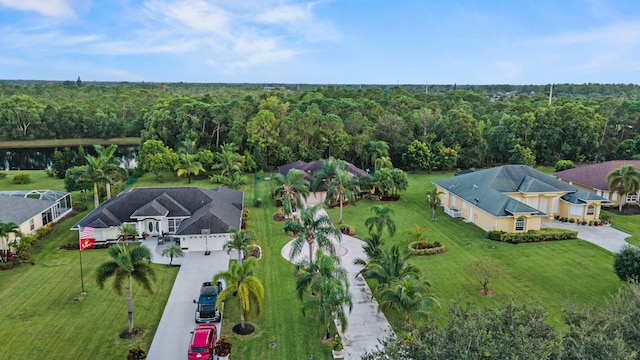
(606, 237)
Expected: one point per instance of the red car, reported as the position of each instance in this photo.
(203, 339)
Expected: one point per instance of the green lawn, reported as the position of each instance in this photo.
(629, 224)
(550, 274)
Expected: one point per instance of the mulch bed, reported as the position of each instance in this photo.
(248, 329)
(626, 210)
(125, 334)
(279, 217)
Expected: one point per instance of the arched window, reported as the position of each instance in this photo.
(591, 210)
(519, 224)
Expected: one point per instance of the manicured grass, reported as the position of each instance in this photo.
(39, 181)
(629, 224)
(43, 314)
(548, 274)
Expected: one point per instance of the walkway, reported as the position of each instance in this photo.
(172, 337)
(366, 325)
(606, 237)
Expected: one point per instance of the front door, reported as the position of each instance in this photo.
(152, 226)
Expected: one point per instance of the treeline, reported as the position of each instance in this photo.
(475, 125)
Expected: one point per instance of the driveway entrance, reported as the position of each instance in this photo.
(604, 236)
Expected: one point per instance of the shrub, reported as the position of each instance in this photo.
(606, 217)
(549, 234)
(425, 248)
(584, 222)
(136, 353)
(346, 229)
(626, 264)
(80, 206)
(22, 179)
(564, 165)
(257, 202)
(3, 174)
(42, 232)
(222, 347)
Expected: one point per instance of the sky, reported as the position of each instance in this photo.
(323, 41)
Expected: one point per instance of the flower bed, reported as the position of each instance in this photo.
(420, 248)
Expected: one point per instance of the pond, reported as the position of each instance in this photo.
(40, 158)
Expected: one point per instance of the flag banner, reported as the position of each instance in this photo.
(86, 232)
(86, 243)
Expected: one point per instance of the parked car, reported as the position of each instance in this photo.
(206, 311)
(203, 339)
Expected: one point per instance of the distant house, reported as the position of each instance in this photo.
(309, 168)
(593, 178)
(514, 198)
(32, 209)
(198, 218)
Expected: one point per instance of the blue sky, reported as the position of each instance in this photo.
(322, 42)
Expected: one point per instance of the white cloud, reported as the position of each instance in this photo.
(54, 8)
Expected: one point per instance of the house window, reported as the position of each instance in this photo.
(631, 198)
(519, 224)
(32, 225)
(591, 210)
(150, 227)
(173, 225)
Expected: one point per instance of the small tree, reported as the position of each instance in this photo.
(434, 201)
(485, 270)
(626, 264)
(172, 251)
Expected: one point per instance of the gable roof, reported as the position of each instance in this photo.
(216, 209)
(18, 209)
(594, 176)
(488, 189)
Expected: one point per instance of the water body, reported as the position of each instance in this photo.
(40, 158)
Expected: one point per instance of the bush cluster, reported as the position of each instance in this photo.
(3, 174)
(22, 179)
(425, 248)
(532, 236)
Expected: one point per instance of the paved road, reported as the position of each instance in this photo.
(366, 324)
(174, 331)
(606, 237)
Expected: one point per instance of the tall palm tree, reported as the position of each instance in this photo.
(378, 148)
(330, 305)
(110, 164)
(381, 219)
(188, 164)
(5, 230)
(240, 241)
(408, 296)
(293, 188)
(434, 201)
(172, 251)
(314, 226)
(94, 173)
(625, 180)
(342, 188)
(391, 264)
(318, 275)
(327, 172)
(127, 265)
(240, 280)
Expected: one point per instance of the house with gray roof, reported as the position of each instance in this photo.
(199, 219)
(593, 178)
(514, 198)
(32, 209)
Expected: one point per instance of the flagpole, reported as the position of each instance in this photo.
(81, 274)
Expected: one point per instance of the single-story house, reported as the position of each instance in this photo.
(199, 219)
(514, 198)
(309, 168)
(593, 178)
(32, 209)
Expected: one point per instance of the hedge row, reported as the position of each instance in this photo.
(533, 236)
(429, 251)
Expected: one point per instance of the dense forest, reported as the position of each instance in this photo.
(426, 127)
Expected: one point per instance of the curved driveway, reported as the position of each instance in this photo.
(606, 237)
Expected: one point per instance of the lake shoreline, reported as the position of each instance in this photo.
(60, 143)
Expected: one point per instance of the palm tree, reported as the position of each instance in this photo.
(374, 245)
(341, 188)
(235, 180)
(381, 219)
(318, 275)
(247, 288)
(329, 171)
(625, 180)
(314, 226)
(5, 230)
(94, 172)
(408, 296)
(228, 160)
(127, 231)
(110, 164)
(188, 146)
(417, 233)
(434, 201)
(390, 265)
(383, 162)
(127, 265)
(293, 188)
(240, 241)
(330, 305)
(172, 251)
(188, 164)
(378, 148)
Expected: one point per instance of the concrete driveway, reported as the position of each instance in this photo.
(606, 237)
(174, 331)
